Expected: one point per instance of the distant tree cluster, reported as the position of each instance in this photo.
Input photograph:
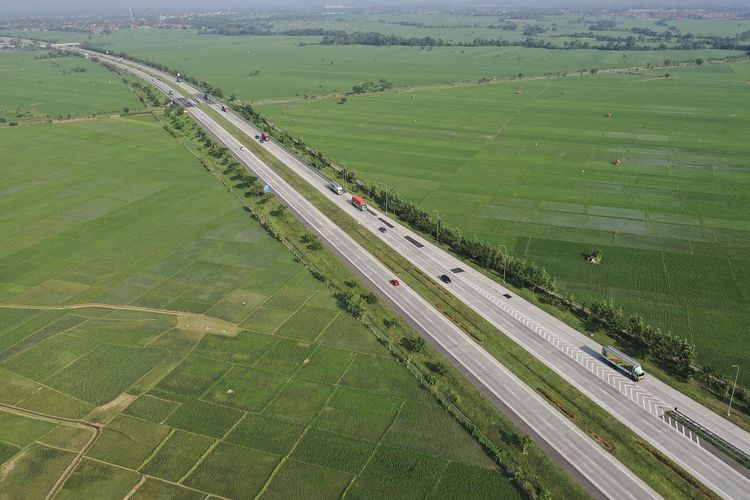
(603, 25)
(379, 39)
(378, 86)
(533, 30)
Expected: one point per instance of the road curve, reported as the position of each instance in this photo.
(602, 471)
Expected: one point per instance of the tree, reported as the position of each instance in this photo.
(699, 61)
(389, 323)
(596, 256)
(126, 110)
(353, 304)
(413, 344)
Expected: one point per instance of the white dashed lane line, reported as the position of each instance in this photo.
(642, 398)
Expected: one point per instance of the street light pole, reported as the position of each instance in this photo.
(386, 194)
(437, 227)
(729, 411)
(505, 260)
(345, 173)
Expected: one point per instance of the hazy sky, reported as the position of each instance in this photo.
(58, 7)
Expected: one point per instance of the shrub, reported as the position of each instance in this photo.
(370, 298)
(437, 367)
(413, 344)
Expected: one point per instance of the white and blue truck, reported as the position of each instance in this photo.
(623, 362)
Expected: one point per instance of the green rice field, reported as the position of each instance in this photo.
(37, 87)
(125, 274)
(532, 165)
(287, 70)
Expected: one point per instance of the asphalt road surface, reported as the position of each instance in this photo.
(570, 353)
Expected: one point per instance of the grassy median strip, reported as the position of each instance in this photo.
(660, 473)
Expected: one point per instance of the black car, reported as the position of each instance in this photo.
(381, 229)
(445, 278)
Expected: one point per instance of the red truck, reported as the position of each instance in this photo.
(359, 203)
(224, 108)
(265, 136)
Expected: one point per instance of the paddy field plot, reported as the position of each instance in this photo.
(37, 87)
(533, 165)
(113, 214)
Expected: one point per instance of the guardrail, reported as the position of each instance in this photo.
(721, 444)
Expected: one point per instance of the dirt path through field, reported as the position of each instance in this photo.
(185, 320)
(95, 428)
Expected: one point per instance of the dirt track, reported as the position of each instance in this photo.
(95, 428)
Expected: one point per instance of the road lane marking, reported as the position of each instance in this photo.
(612, 378)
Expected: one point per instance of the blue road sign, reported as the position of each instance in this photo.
(266, 188)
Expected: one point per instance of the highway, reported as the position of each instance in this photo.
(598, 469)
(573, 355)
(570, 353)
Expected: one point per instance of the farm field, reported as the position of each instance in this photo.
(37, 87)
(217, 364)
(286, 69)
(457, 27)
(530, 165)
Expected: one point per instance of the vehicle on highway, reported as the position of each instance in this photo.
(445, 278)
(336, 188)
(265, 136)
(257, 137)
(242, 148)
(359, 203)
(171, 93)
(381, 229)
(395, 282)
(223, 108)
(623, 362)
